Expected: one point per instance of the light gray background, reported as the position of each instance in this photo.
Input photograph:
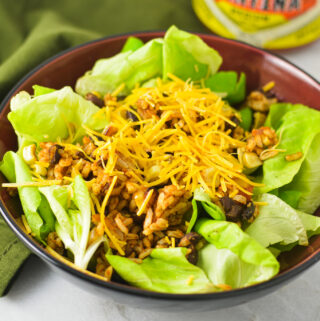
(40, 294)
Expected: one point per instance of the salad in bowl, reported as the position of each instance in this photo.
(161, 170)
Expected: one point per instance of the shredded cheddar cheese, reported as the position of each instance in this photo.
(190, 280)
(25, 224)
(33, 184)
(145, 203)
(268, 86)
(224, 287)
(187, 144)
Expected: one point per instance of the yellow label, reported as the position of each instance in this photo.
(250, 20)
(206, 16)
(273, 24)
(309, 33)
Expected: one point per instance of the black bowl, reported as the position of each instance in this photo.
(292, 85)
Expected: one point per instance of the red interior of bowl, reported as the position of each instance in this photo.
(292, 85)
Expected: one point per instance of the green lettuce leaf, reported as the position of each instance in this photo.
(207, 207)
(298, 126)
(15, 103)
(132, 44)
(232, 257)
(311, 223)
(306, 184)
(246, 118)
(289, 197)
(188, 56)
(73, 219)
(150, 83)
(180, 53)
(19, 99)
(165, 270)
(46, 117)
(210, 208)
(39, 217)
(214, 211)
(226, 82)
(41, 90)
(47, 216)
(200, 195)
(128, 67)
(278, 111)
(194, 215)
(57, 197)
(277, 223)
(239, 94)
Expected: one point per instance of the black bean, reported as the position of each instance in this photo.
(89, 177)
(139, 219)
(159, 186)
(235, 212)
(189, 238)
(228, 126)
(80, 154)
(232, 209)
(226, 203)
(54, 154)
(248, 211)
(131, 116)
(192, 256)
(268, 94)
(104, 190)
(94, 99)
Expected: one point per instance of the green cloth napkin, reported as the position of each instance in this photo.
(33, 30)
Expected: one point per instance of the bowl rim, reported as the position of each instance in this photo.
(128, 289)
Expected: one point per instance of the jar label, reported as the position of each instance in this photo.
(272, 24)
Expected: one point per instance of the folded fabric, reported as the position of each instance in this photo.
(12, 255)
(32, 31)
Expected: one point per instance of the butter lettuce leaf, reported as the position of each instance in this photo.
(280, 227)
(132, 44)
(214, 211)
(74, 219)
(288, 196)
(227, 82)
(180, 53)
(298, 126)
(202, 206)
(232, 257)
(165, 270)
(246, 118)
(187, 56)
(277, 223)
(129, 68)
(38, 215)
(306, 183)
(41, 90)
(310, 222)
(48, 116)
(194, 215)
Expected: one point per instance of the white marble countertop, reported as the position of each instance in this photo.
(40, 294)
